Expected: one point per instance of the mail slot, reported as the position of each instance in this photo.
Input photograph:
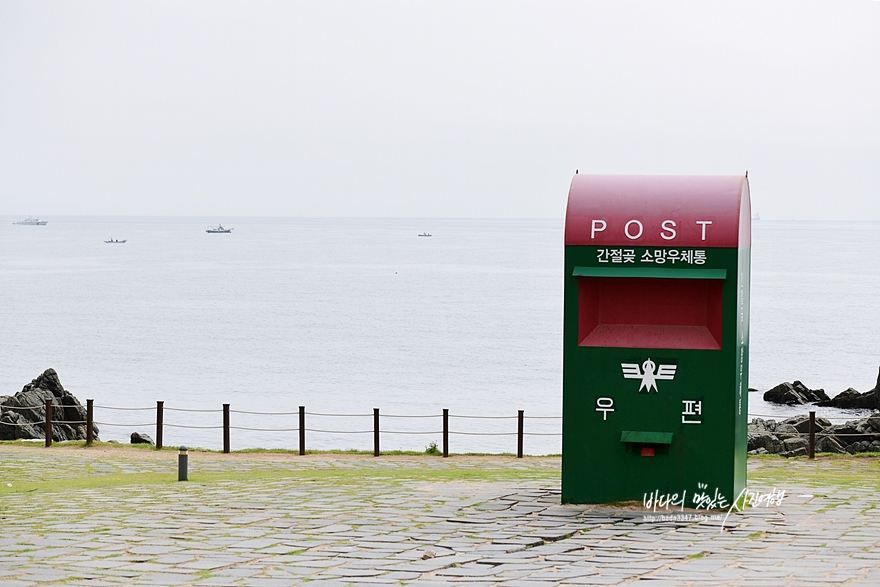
(655, 338)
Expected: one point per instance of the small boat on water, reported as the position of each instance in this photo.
(218, 229)
(756, 217)
(425, 234)
(31, 221)
(114, 241)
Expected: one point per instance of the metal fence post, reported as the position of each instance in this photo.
(445, 432)
(519, 436)
(226, 428)
(90, 420)
(182, 464)
(160, 422)
(375, 432)
(812, 451)
(302, 430)
(48, 422)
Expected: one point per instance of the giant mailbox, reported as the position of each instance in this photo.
(655, 359)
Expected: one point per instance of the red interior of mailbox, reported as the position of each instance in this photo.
(650, 313)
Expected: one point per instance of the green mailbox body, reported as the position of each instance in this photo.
(656, 331)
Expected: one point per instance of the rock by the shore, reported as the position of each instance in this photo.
(797, 393)
(22, 415)
(788, 438)
(854, 399)
(794, 394)
(138, 438)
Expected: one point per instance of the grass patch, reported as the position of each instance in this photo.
(86, 482)
(83, 479)
(98, 443)
(827, 470)
(287, 451)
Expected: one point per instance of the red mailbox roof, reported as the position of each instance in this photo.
(659, 210)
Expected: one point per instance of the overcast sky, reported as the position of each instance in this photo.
(472, 109)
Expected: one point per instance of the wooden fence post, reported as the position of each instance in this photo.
(90, 420)
(375, 432)
(445, 432)
(519, 436)
(47, 422)
(160, 423)
(226, 428)
(812, 451)
(302, 430)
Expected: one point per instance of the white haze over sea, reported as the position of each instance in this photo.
(344, 315)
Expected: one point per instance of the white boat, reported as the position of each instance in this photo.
(114, 241)
(425, 234)
(218, 229)
(31, 221)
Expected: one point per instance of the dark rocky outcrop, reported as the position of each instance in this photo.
(764, 443)
(138, 438)
(794, 393)
(797, 393)
(22, 415)
(788, 438)
(853, 399)
(829, 444)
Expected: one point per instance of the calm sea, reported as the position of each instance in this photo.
(347, 315)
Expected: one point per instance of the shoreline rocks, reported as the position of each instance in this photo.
(794, 393)
(22, 415)
(788, 438)
(797, 393)
(854, 399)
(140, 438)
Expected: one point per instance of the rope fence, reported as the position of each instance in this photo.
(194, 427)
(340, 415)
(124, 409)
(48, 409)
(777, 416)
(301, 429)
(188, 410)
(262, 413)
(263, 429)
(25, 424)
(125, 425)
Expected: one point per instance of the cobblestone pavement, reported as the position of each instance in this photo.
(354, 520)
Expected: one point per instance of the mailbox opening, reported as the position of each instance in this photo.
(639, 312)
(650, 449)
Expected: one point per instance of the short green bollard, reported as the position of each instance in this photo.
(182, 462)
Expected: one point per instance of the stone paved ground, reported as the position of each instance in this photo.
(268, 520)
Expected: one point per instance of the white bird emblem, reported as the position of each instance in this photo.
(648, 377)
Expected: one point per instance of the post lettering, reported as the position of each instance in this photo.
(627, 231)
(668, 230)
(598, 226)
(605, 405)
(704, 223)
